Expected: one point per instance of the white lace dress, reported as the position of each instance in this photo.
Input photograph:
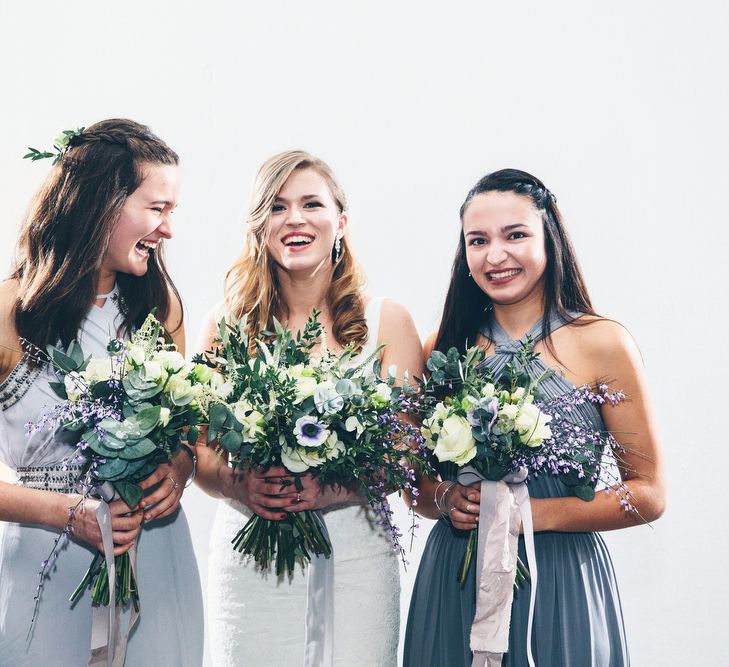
(169, 632)
(257, 619)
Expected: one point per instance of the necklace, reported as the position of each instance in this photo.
(108, 294)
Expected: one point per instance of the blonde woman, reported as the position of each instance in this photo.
(297, 257)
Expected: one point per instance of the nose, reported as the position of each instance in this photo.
(165, 228)
(294, 217)
(496, 253)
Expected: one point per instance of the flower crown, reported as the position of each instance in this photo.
(60, 145)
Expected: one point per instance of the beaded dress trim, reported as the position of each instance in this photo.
(59, 478)
(14, 387)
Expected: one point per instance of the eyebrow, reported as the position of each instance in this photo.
(305, 197)
(506, 228)
(162, 201)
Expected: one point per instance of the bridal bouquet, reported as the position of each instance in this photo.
(503, 427)
(325, 414)
(126, 413)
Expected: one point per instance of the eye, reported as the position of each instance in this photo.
(476, 242)
(313, 204)
(158, 209)
(514, 236)
(277, 208)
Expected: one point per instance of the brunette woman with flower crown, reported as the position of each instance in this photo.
(297, 258)
(89, 267)
(516, 275)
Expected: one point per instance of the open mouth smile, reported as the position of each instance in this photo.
(297, 240)
(502, 276)
(145, 247)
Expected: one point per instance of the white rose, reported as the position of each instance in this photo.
(74, 385)
(305, 382)
(170, 360)
(152, 370)
(509, 412)
(136, 354)
(532, 425)
(164, 416)
(180, 390)
(240, 409)
(97, 370)
(455, 442)
(488, 390)
(517, 394)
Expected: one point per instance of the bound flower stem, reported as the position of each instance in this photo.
(520, 576)
(283, 543)
(97, 578)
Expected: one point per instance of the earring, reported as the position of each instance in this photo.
(469, 275)
(337, 249)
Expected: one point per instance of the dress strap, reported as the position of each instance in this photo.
(373, 314)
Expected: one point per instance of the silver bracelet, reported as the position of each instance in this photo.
(439, 505)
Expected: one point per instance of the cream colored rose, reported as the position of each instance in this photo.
(136, 354)
(455, 441)
(74, 385)
(300, 459)
(180, 390)
(305, 381)
(383, 393)
(509, 412)
(97, 370)
(164, 416)
(170, 360)
(532, 425)
(152, 371)
(335, 447)
(432, 425)
(252, 425)
(517, 394)
(488, 390)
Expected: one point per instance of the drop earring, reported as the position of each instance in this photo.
(337, 249)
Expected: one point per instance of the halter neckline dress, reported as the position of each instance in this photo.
(578, 620)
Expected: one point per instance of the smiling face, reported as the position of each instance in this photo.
(304, 222)
(505, 251)
(144, 221)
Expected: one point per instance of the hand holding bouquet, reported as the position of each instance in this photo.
(325, 414)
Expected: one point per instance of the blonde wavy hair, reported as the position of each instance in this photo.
(251, 287)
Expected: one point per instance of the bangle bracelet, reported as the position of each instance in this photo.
(193, 458)
(439, 505)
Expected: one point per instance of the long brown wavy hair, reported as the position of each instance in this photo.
(66, 234)
(251, 287)
(464, 311)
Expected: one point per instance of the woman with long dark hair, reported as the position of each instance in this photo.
(89, 266)
(516, 278)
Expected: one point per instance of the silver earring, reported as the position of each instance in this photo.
(469, 275)
(337, 249)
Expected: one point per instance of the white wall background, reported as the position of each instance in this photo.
(619, 107)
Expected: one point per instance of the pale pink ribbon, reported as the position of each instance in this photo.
(107, 647)
(504, 508)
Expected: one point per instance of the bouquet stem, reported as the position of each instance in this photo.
(283, 543)
(97, 578)
(521, 575)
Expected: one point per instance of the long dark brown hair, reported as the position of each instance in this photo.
(66, 234)
(464, 312)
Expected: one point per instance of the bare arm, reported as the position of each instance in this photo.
(616, 357)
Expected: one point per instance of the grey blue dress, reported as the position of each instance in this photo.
(578, 620)
(169, 632)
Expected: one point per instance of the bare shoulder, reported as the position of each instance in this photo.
(598, 348)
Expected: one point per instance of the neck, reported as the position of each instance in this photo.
(517, 318)
(106, 282)
(301, 293)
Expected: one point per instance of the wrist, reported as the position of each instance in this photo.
(63, 503)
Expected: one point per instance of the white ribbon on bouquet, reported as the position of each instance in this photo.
(107, 648)
(504, 508)
(320, 609)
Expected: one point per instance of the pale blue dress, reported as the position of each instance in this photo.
(169, 632)
(578, 621)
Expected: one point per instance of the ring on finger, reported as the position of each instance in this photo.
(174, 482)
(298, 497)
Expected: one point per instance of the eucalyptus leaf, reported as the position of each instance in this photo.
(138, 449)
(130, 493)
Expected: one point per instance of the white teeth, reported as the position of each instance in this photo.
(150, 245)
(298, 239)
(503, 274)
